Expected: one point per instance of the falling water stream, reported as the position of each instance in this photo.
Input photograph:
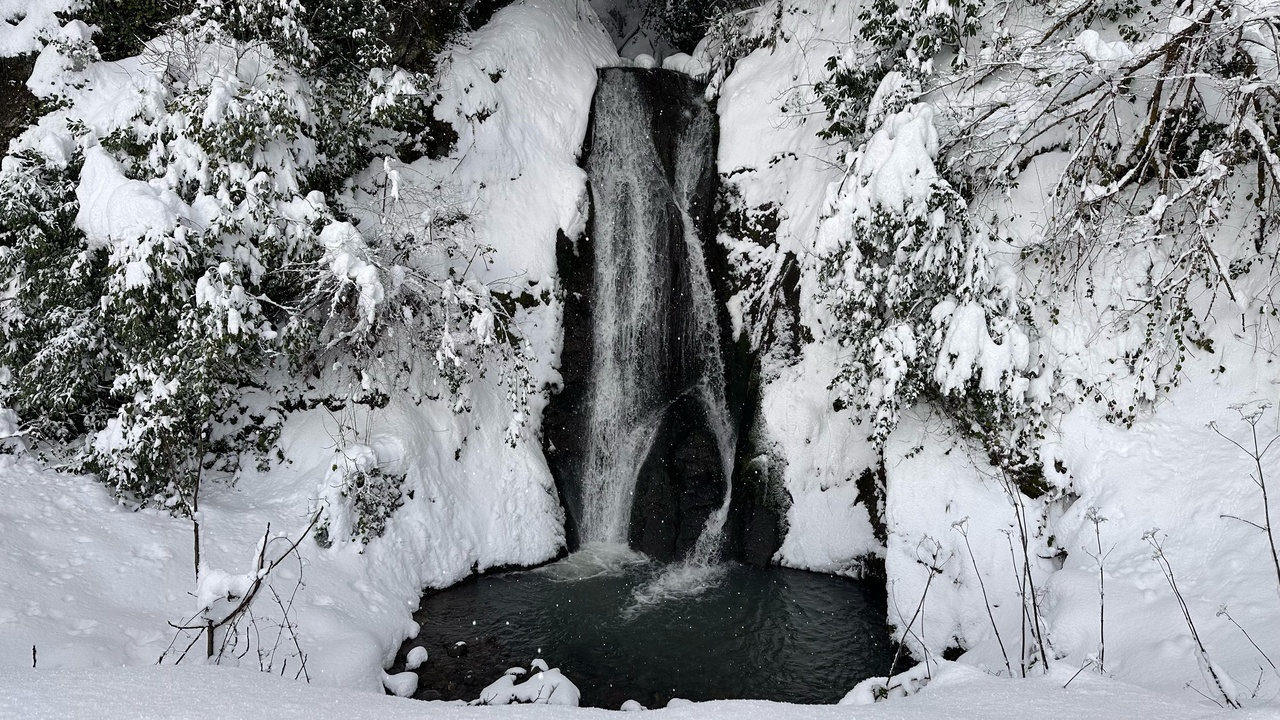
(656, 335)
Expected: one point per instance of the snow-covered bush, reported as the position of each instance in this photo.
(224, 241)
(915, 301)
(904, 37)
(1124, 157)
(360, 494)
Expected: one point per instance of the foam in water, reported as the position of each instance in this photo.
(593, 561)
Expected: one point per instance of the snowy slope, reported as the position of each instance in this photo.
(518, 91)
(91, 584)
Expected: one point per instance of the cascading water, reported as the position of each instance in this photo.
(655, 385)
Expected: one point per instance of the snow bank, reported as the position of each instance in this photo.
(200, 693)
(519, 93)
(1171, 472)
(825, 452)
(85, 581)
(950, 515)
(770, 118)
(771, 155)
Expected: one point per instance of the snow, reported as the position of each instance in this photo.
(401, 684)
(345, 252)
(544, 686)
(26, 25)
(415, 658)
(207, 693)
(897, 163)
(1173, 473)
(969, 346)
(84, 580)
(824, 453)
(769, 119)
(1108, 55)
(691, 65)
(948, 511)
(114, 208)
(521, 121)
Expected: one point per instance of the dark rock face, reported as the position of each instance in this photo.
(681, 484)
(755, 529)
(564, 422)
(679, 470)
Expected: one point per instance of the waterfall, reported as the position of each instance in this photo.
(655, 334)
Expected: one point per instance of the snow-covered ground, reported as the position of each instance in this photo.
(92, 585)
(208, 693)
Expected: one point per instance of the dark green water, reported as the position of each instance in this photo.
(621, 629)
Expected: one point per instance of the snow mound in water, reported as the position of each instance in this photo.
(544, 687)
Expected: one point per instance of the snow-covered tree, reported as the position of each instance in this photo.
(233, 246)
(1148, 127)
(914, 296)
(1155, 126)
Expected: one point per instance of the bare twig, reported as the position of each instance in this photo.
(1165, 567)
(935, 569)
(1256, 452)
(1222, 612)
(963, 530)
(1094, 517)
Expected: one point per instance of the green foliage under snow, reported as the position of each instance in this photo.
(1153, 125)
(237, 249)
